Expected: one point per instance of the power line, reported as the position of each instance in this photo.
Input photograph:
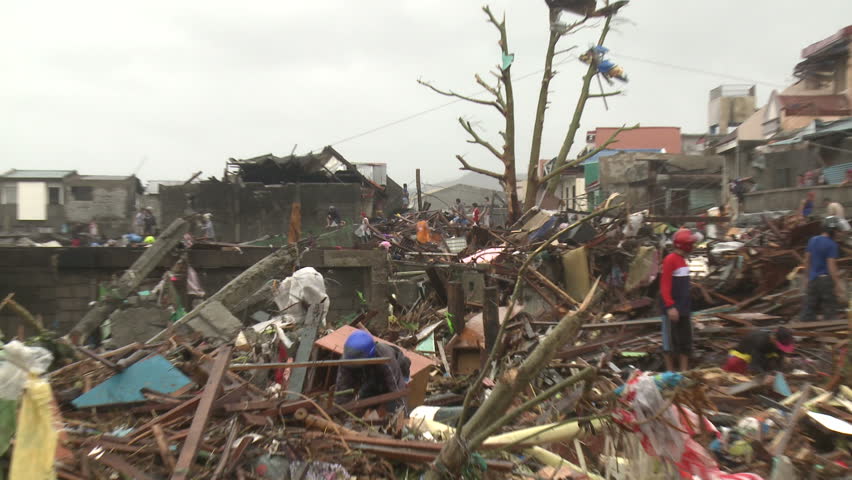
(530, 74)
(700, 71)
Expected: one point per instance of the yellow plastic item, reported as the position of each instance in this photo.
(36, 438)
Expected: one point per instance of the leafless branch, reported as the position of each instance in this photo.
(450, 93)
(479, 140)
(481, 171)
(612, 138)
(564, 51)
(496, 91)
(605, 94)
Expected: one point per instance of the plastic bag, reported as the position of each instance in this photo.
(37, 436)
(303, 288)
(20, 360)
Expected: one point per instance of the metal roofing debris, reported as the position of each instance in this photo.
(39, 174)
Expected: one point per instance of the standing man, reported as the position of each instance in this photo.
(405, 198)
(139, 222)
(676, 301)
(149, 222)
(207, 227)
(822, 278)
(476, 213)
(806, 208)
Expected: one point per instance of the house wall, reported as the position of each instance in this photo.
(246, 212)
(59, 283)
(112, 207)
(790, 198)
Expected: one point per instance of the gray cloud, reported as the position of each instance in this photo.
(97, 86)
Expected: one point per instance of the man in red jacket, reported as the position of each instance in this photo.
(676, 302)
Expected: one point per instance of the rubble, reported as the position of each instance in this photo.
(533, 354)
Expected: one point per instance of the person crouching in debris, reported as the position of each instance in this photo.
(333, 218)
(372, 380)
(822, 283)
(760, 350)
(676, 303)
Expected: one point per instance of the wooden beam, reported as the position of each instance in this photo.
(202, 415)
(554, 287)
(130, 280)
(163, 446)
(456, 304)
(678, 219)
(491, 317)
(122, 466)
(321, 363)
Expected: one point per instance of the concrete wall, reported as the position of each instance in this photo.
(248, 212)
(112, 207)
(59, 283)
(791, 198)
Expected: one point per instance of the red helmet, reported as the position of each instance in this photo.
(685, 240)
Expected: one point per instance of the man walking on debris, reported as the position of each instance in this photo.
(760, 350)
(372, 380)
(822, 284)
(675, 297)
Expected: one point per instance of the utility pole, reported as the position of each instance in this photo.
(419, 198)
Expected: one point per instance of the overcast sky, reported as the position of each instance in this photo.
(163, 89)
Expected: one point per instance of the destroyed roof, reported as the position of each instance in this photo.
(815, 104)
(153, 187)
(37, 174)
(323, 167)
(610, 152)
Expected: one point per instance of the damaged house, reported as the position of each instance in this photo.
(36, 202)
(258, 196)
(667, 185)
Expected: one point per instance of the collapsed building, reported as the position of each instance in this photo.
(263, 196)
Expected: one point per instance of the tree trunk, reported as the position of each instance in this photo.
(510, 183)
(453, 455)
(533, 182)
(578, 113)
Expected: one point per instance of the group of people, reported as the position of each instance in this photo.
(145, 223)
(760, 350)
(478, 215)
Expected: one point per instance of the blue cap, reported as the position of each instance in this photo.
(360, 344)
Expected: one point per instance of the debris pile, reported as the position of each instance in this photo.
(523, 352)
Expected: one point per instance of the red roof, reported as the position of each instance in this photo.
(334, 341)
(835, 105)
(817, 47)
(641, 138)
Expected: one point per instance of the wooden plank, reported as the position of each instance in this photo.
(555, 288)
(202, 415)
(308, 335)
(456, 304)
(491, 318)
(236, 367)
(122, 466)
(779, 444)
(368, 402)
(163, 446)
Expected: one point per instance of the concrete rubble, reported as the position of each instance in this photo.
(240, 383)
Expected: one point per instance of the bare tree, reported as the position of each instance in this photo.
(551, 180)
(504, 102)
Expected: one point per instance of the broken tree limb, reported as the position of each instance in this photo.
(454, 456)
(477, 384)
(245, 284)
(130, 280)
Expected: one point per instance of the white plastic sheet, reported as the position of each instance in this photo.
(18, 361)
(296, 293)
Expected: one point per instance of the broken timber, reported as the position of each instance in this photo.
(130, 280)
(244, 285)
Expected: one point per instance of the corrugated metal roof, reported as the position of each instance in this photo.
(37, 173)
(836, 174)
(608, 153)
(104, 177)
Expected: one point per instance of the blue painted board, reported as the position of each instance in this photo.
(155, 373)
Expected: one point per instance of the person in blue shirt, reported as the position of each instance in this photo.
(806, 209)
(822, 278)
